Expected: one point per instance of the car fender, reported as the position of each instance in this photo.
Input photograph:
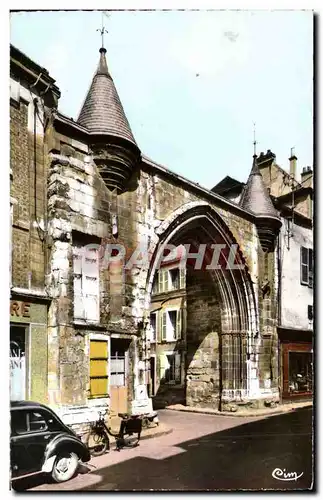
(49, 464)
(62, 442)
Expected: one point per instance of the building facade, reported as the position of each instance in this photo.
(292, 195)
(108, 324)
(31, 104)
(168, 332)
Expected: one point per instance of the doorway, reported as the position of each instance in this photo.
(118, 375)
(297, 369)
(18, 365)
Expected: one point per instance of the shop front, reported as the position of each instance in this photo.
(28, 349)
(296, 363)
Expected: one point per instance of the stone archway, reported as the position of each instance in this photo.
(221, 313)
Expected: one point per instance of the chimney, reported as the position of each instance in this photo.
(292, 164)
(307, 177)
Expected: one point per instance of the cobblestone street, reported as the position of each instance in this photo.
(206, 452)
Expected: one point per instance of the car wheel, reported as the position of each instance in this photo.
(65, 466)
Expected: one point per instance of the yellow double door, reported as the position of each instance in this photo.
(108, 372)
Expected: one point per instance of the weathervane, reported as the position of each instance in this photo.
(102, 31)
(254, 139)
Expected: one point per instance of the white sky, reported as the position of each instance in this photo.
(191, 83)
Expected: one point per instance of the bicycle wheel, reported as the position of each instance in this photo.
(98, 443)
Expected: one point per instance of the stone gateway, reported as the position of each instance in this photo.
(203, 335)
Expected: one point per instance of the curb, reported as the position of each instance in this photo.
(163, 432)
(237, 414)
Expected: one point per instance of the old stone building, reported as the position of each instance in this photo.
(95, 189)
(32, 95)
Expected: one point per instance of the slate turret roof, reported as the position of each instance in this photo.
(255, 196)
(102, 111)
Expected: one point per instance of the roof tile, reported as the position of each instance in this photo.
(102, 111)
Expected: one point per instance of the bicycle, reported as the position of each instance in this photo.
(98, 440)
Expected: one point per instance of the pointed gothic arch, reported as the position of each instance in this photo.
(195, 223)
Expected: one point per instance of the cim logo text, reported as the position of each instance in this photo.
(282, 475)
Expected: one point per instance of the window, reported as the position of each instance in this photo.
(36, 422)
(18, 422)
(155, 288)
(86, 283)
(174, 278)
(18, 362)
(300, 372)
(168, 279)
(153, 326)
(310, 312)
(177, 278)
(118, 369)
(163, 280)
(307, 266)
(170, 368)
(172, 315)
(171, 325)
(98, 368)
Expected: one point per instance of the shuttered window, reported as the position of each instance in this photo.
(163, 280)
(171, 325)
(178, 333)
(86, 283)
(307, 266)
(99, 356)
(166, 280)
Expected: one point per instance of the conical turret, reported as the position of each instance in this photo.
(256, 199)
(113, 145)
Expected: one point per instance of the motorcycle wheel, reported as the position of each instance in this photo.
(98, 443)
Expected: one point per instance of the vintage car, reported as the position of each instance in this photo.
(41, 443)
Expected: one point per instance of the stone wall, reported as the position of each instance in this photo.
(78, 201)
(203, 376)
(19, 190)
(267, 342)
(28, 190)
(273, 177)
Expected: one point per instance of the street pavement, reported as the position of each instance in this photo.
(206, 452)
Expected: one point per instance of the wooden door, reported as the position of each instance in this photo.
(118, 376)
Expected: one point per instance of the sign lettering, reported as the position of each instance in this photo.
(20, 309)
